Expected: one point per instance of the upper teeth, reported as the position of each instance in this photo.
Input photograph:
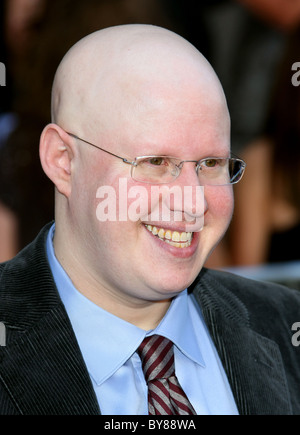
(169, 235)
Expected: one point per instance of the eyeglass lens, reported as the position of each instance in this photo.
(212, 171)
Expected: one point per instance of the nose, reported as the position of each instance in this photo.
(193, 162)
(193, 205)
(188, 173)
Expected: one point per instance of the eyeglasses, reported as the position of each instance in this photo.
(212, 171)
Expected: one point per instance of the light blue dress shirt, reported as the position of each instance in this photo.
(108, 345)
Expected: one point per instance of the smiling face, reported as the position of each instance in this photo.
(163, 99)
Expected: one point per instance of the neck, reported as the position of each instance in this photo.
(143, 313)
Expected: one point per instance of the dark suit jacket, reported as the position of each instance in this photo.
(42, 371)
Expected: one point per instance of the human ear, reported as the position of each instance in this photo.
(56, 155)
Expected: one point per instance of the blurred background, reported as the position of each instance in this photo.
(252, 45)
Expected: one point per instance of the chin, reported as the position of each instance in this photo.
(171, 286)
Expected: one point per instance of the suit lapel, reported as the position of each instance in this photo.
(44, 372)
(253, 363)
(41, 365)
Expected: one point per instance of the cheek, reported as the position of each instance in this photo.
(220, 204)
(133, 201)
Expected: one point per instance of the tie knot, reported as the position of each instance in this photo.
(157, 356)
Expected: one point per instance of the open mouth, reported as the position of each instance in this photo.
(173, 238)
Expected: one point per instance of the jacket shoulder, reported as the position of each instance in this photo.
(27, 286)
(266, 305)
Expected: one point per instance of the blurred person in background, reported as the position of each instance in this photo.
(284, 14)
(266, 225)
(18, 131)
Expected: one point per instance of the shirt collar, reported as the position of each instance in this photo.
(177, 325)
(106, 341)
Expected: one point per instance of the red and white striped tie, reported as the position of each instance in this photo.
(165, 395)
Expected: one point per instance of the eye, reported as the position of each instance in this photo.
(157, 161)
(211, 163)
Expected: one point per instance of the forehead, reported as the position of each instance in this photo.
(179, 122)
(156, 116)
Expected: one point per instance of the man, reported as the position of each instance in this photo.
(138, 106)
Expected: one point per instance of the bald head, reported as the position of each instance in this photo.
(133, 90)
(123, 63)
